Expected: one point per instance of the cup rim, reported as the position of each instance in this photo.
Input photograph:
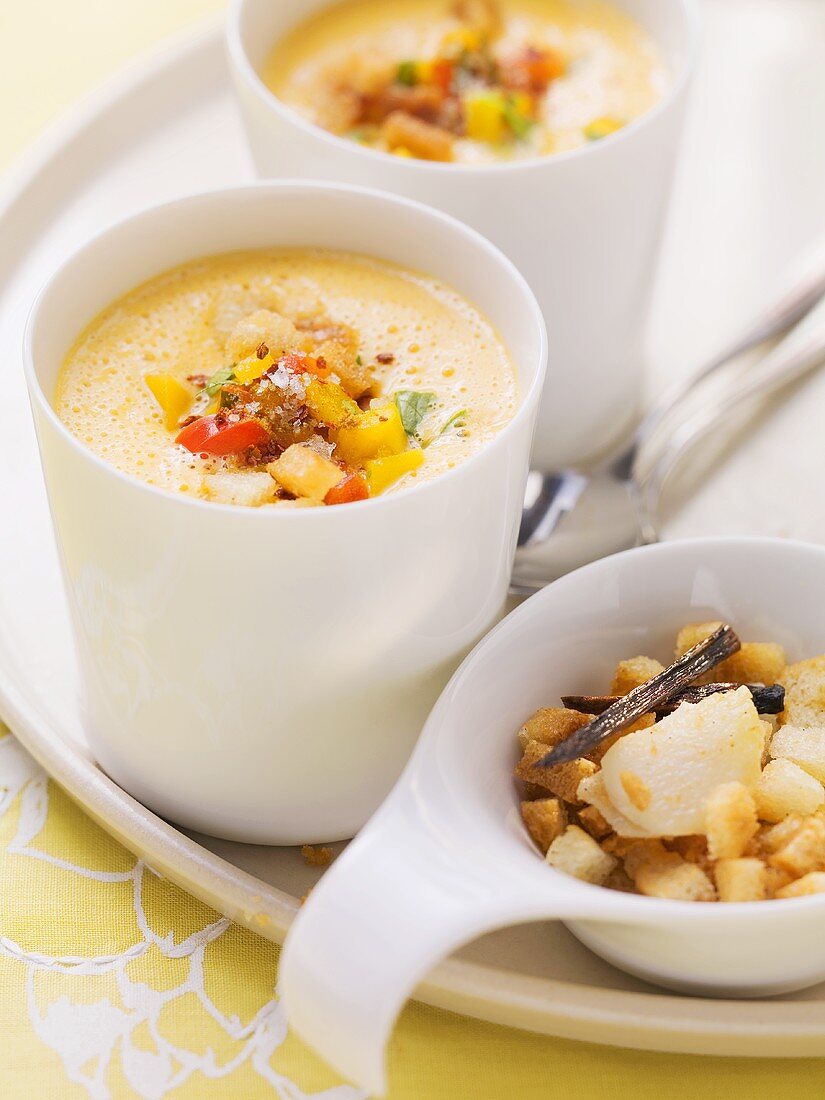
(622, 906)
(246, 71)
(528, 399)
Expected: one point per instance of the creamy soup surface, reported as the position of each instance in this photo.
(287, 378)
(470, 81)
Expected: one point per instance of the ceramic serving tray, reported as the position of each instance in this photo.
(747, 200)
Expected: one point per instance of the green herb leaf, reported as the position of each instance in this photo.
(406, 74)
(455, 421)
(359, 360)
(519, 123)
(221, 376)
(413, 405)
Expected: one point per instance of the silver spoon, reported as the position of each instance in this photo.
(573, 516)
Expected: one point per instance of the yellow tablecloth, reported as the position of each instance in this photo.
(114, 983)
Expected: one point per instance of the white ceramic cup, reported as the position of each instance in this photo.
(283, 711)
(583, 227)
(447, 857)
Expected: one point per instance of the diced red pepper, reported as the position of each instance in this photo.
(216, 435)
(532, 69)
(351, 488)
(443, 71)
(300, 364)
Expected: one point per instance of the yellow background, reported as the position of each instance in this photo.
(51, 51)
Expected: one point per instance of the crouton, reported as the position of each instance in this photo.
(805, 851)
(812, 883)
(632, 673)
(250, 488)
(305, 473)
(562, 780)
(774, 837)
(804, 685)
(592, 821)
(666, 875)
(550, 725)
(755, 662)
(741, 879)
(404, 131)
(545, 819)
(233, 303)
(784, 788)
(578, 854)
(342, 358)
(805, 746)
(730, 820)
(263, 327)
(694, 849)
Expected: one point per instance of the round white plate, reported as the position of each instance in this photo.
(747, 198)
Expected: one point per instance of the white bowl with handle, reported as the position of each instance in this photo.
(447, 857)
(284, 714)
(583, 226)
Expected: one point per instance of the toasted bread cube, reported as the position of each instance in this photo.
(592, 821)
(775, 880)
(805, 851)
(632, 673)
(805, 746)
(249, 488)
(403, 131)
(694, 849)
(774, 837)
(672, 877)
(341, 357)
(730, 820)
(305, 473)
(562, 780)
(755, 663)
(618, 879)
(804, 685)
(812, 883)
(784, 788)
(263, 327)
(550, 725)
(636, 853)
(233, 303)
(545, 819)
(578, 854)
(741, 879)
(682, 758)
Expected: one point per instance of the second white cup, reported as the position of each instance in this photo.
(583, 227)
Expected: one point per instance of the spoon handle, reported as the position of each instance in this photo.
(803, 292)
(797, 355)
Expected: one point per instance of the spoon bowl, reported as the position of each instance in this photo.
(447, 859)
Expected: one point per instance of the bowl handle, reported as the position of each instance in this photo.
(407, 892)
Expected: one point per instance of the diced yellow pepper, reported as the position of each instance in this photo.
(248, 370)
(424, 71)
(213, 406)
(401, 151)
(601, 127)
(377, 433)
(485, 117)
(383, 472)
(465, 38)
(173, 396)
(331, 404)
